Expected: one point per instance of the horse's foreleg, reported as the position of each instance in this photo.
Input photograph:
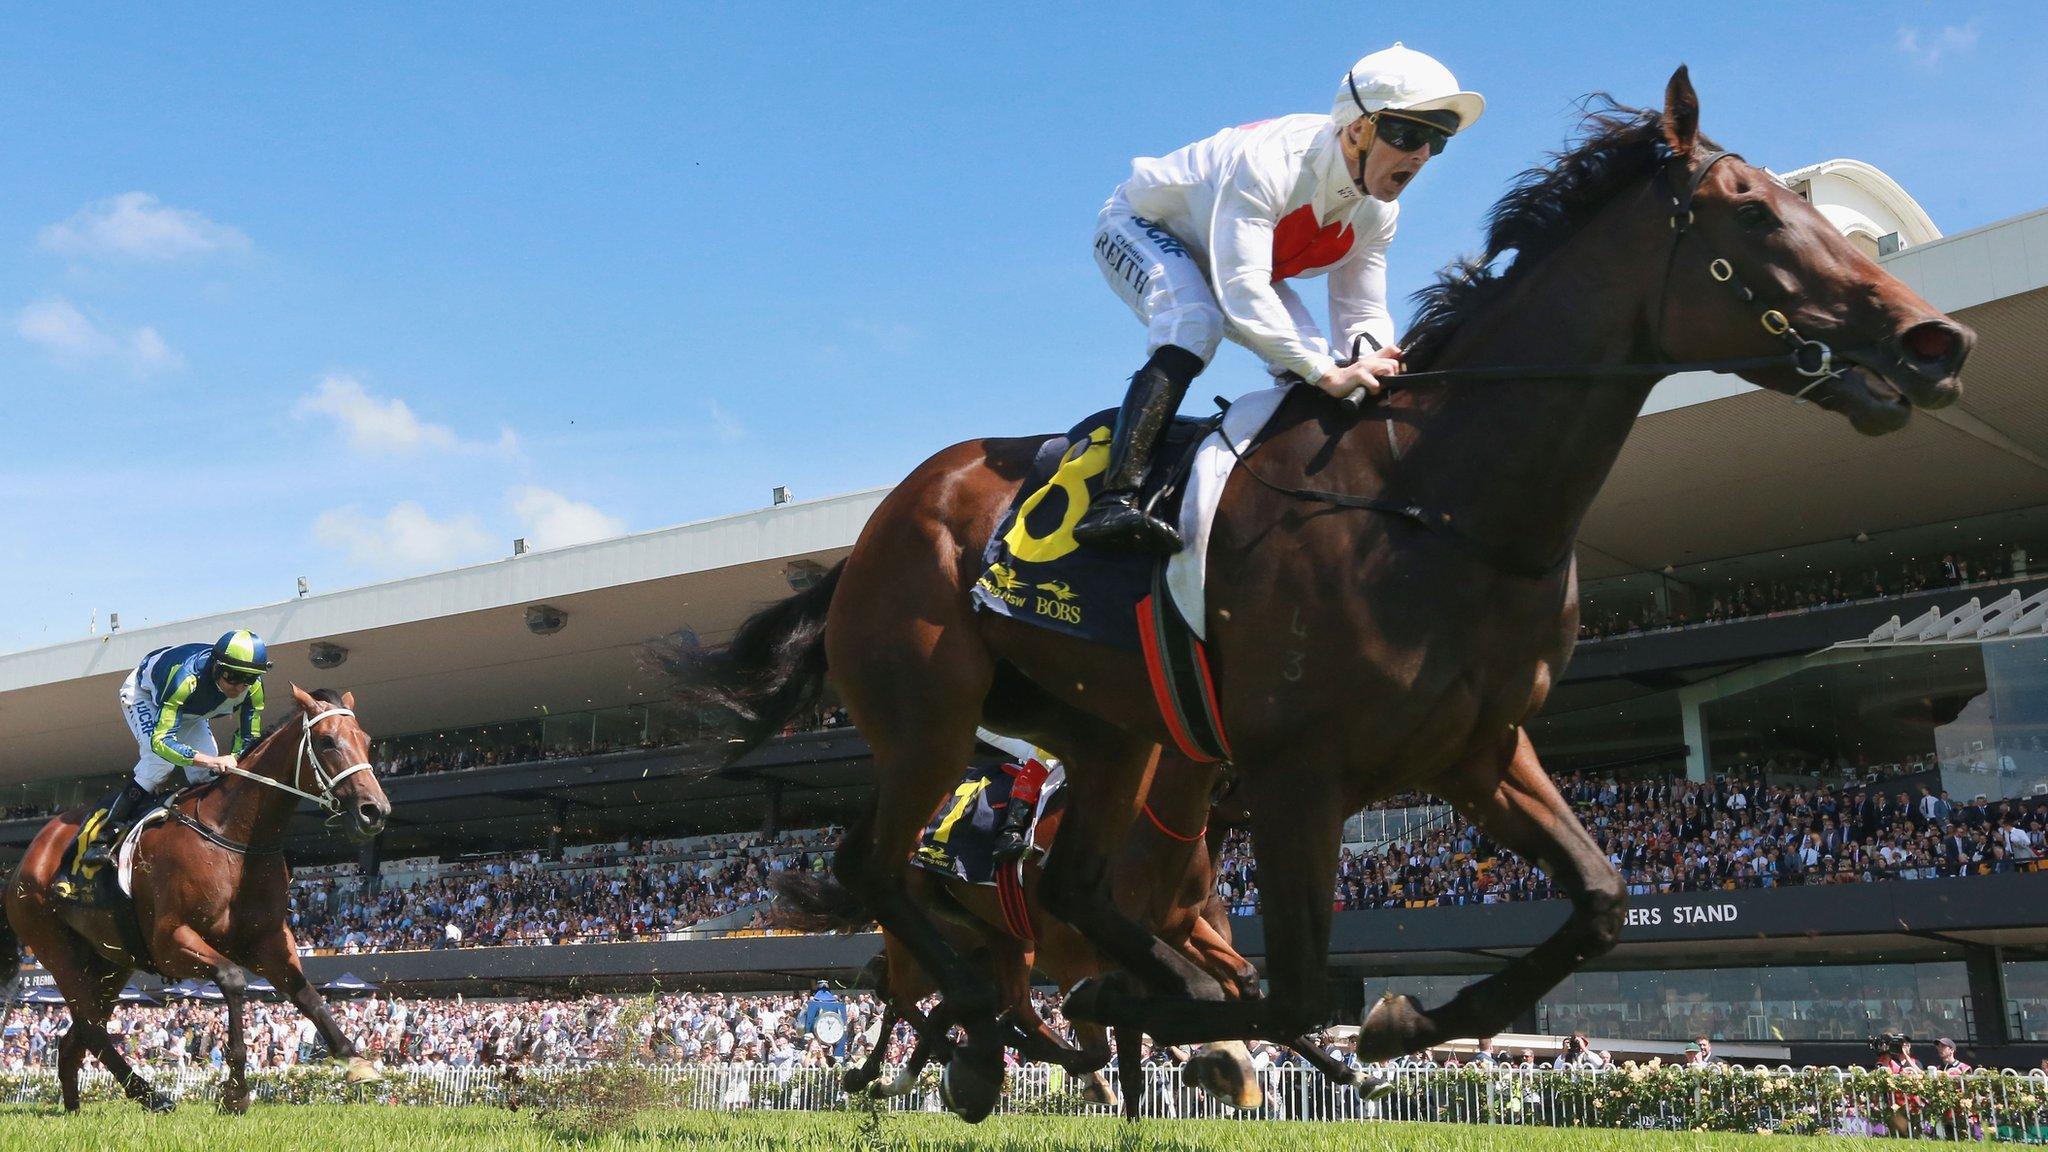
(70, 1057)
(1296, 829)
(234, 1094)
(1108, 771)
(278, 961)
(1213, 951)
(1130, 1070)
(1515, 803)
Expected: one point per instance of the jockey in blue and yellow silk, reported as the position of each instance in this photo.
(167, 701)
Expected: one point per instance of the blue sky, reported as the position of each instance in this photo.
(370, 291)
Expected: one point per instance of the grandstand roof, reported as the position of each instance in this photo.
(1715, 469)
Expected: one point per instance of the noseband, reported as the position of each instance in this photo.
(326, 798)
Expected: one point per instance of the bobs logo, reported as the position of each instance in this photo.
(1058, 602)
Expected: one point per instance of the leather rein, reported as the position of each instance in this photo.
(325, 798)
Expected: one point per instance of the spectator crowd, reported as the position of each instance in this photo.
(1687, 604)
(1675, 835)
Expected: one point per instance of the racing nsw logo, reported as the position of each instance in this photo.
(1001, 582)
(1059, 601)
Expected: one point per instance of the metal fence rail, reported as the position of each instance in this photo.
(1999, 1106)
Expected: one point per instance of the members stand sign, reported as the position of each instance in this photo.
(1677, 915)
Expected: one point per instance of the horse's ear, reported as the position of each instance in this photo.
(1681, 113)
(348, 700)
(305, 699)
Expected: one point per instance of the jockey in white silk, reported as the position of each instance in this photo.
(1200, 244)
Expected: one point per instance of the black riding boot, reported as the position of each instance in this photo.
(1114, 521)
(1013, 831)
(126, 807)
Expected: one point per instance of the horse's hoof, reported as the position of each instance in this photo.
(159, 1104)
(1370, 1087)
(1095, 1089)
(362, 1071)
(1396, 1026)
(1224, 1071)
(972, 1082)
(235, 1103)
(857, 1080)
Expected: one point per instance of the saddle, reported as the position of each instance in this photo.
(105, 885)
(960, 839)
(1037, 573)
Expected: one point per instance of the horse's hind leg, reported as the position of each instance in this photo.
(91, 986)
(1512, 799)
(917, 698)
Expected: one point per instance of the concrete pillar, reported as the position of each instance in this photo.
(1984, 964)
(370, 864)
(1695, 736)
(557, 821)
(772, 824)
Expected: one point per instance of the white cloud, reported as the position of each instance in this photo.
(551, 520)
(1928, 50)
(71, 338)
(374, 424)
(892, 336)
(138, 226)
(405, 538)
(723, 425)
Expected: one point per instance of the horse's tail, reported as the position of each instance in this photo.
(815, 902)
(773, 669)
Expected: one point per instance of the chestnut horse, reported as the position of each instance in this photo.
(1391, 595)
(210, 895)
(1164, 876)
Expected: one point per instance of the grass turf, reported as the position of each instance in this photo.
(289, 1128)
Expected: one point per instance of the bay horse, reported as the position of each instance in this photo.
(211, 892)
(1164, 876)
(1391, 593)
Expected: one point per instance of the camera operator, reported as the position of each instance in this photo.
(1895, 1053)
(1577, 1052)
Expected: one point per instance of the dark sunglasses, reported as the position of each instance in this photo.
(1405, 135)
(234, 677)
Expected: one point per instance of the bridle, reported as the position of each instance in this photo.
(1810, 358)
(326, 797)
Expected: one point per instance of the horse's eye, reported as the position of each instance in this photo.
(1755, 217)
(328, 744)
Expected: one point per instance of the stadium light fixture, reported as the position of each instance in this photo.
(780, 494)
(303, 586)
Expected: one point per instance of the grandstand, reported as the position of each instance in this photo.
(1774, 607)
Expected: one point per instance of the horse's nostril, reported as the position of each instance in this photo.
(370, 816)
(1933, 343)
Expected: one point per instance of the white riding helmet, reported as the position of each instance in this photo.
(1401, 79)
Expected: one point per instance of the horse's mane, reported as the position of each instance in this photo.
(1616, 146)
(324, 695)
